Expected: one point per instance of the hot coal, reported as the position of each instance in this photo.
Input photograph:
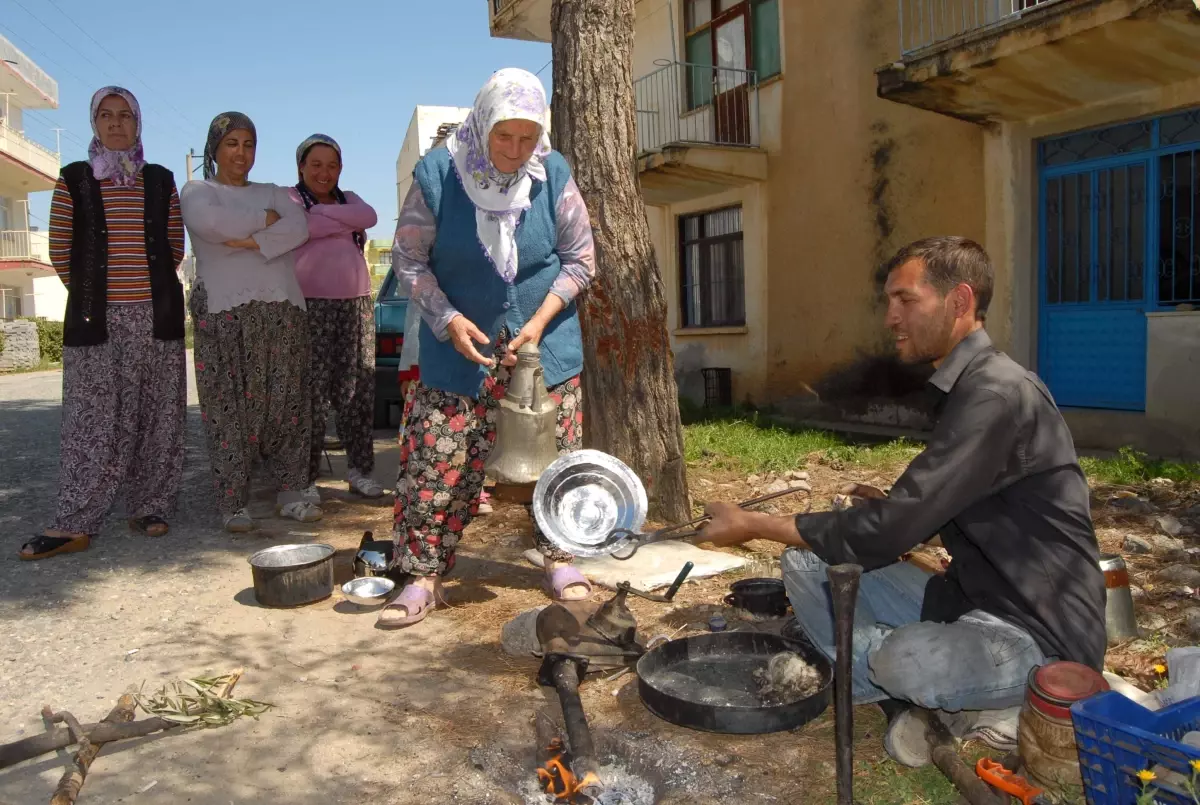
(786, 678)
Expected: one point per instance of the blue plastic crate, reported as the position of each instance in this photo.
(1117, 738)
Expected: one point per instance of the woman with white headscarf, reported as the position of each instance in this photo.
(116, 238)
(493, 244)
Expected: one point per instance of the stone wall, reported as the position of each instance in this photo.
(20, 345)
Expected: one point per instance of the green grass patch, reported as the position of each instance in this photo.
(1133, 468)
(754, 442)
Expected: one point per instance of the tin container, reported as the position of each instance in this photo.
(1120, 621)
(293, 575)
(1046, 741)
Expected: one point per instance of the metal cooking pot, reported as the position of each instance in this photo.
(293, 575)
(759, 597)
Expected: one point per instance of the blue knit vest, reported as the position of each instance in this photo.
(472, 285)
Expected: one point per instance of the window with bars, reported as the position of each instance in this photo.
(1122, 212)
(1178, 256)
(747, 38)
(712, 271)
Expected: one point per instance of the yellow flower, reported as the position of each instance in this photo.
(1196, 765)
(1145, 775)
(1160, 669)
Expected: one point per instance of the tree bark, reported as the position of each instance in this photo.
(631, 402)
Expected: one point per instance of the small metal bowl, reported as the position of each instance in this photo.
(369, 591)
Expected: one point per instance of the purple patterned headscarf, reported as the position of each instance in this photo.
(122, 167)
(499, 199)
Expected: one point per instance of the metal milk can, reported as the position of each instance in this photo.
(525, 424)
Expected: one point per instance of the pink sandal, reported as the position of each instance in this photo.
(416, 602)
(559, 579)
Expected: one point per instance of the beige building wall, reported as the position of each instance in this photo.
(660, 39)
(858, 178)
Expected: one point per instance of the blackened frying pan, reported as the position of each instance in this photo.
(706, 682)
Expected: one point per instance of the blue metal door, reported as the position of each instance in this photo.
(1095, 243)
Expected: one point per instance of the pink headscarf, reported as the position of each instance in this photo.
(122, 167)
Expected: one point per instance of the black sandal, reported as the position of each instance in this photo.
(150, 526)
(42, 546)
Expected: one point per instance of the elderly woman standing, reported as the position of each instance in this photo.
(494, 243)
(250, 326)
(336, 282)
(116, 239)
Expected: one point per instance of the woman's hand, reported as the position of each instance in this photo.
(530, 333)
(464, 335)
(533, 329)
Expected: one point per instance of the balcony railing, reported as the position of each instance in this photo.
(682, 103)
(36, 76)
(23, 149)
(925, 23)
(22, 244)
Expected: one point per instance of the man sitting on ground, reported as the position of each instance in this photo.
(1000, 482)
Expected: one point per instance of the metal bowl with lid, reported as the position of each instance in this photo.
(583, 497)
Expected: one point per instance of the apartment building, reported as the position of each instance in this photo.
(787, 148)
(28, 284)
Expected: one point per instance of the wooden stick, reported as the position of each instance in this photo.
(60, 738)
(72, 781)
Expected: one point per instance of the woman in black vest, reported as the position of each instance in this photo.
(116, 238)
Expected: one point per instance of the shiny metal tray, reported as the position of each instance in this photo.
(583, 497)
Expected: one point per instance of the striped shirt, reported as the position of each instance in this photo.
(124, 207)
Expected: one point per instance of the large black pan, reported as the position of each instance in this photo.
(705, 682)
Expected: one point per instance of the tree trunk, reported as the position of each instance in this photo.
(630, 399)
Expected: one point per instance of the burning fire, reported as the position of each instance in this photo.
(560, 782)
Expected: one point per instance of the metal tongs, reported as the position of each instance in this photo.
(634, 540)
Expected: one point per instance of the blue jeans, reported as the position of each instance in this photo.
(979, 662)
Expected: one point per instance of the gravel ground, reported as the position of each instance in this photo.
(78, 630)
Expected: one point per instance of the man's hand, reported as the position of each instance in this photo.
(272, 217)
(730, 525)
(464, 335)
(854, 494)
(243, 243)
(530, 333)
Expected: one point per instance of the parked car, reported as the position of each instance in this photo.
(390, 311)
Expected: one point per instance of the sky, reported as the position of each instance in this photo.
(352, 69)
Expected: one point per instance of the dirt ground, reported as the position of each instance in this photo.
(436, 713)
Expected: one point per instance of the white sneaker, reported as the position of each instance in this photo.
(301, 512)
(905, 740)
(239, 522)
(311, 495)
(363, 485)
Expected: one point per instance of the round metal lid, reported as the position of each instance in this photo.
(1067, 682)
(583, 497)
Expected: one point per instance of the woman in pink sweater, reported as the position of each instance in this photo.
(336, 283)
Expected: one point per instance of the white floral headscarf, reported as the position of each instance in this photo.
(499, 199)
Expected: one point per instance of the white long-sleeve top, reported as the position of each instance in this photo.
(215, 213)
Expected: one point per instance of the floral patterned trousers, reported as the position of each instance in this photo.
(342, 374)
(252, 379)
(445, 441)
(122, 423)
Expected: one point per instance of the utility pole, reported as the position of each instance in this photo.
(191, 154)
(58, 140)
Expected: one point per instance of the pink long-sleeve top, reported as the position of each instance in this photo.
(330, 265)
